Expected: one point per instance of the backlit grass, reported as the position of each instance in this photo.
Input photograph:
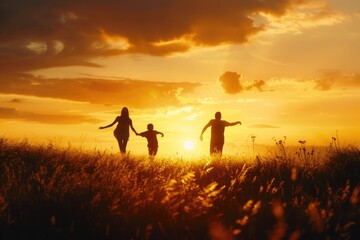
(52, 193)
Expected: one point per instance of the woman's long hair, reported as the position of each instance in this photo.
(125, 112)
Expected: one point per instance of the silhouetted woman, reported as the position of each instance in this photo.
(121, 131)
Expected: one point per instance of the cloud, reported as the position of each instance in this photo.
(7, 112)
(325, 81)
(12, 113)
(132, 93)
(15, 100)
(308, 15)
(324, 84)
(351, 81)
(258, 84)
(230, 81)
(332, 78)
(42, 34)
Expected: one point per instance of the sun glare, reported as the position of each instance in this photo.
(189, 145)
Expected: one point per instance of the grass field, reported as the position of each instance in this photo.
(52, 193)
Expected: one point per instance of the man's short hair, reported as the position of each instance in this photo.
(218, 115)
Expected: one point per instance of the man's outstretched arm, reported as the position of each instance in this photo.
(233, 123)
(204, 129)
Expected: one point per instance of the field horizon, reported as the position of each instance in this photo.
(247, 149)
(52, 192)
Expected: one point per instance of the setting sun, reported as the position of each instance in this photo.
(189, 145)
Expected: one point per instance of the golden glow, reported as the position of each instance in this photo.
(189, 145)
(186, 40)
(37, 47)
(307, 16)
(117, 42)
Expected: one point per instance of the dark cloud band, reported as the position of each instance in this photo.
(133, 93)
(49, 33)
(12, 113)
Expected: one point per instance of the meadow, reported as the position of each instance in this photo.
(47, 192)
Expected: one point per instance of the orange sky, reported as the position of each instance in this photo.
(281, 67)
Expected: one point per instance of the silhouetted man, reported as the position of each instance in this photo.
(217, 133)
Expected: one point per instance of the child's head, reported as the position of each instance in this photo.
(150, 127)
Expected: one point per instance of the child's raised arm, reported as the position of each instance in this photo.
(162, 135)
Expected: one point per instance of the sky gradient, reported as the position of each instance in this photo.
(281, 67)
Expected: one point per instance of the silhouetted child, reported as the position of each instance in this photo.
(150, 135)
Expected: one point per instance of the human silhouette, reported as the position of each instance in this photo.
(121, 131)
(150, 135)
(217, 133)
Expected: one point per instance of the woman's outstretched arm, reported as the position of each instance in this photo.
(109, 124)
(132, 128)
